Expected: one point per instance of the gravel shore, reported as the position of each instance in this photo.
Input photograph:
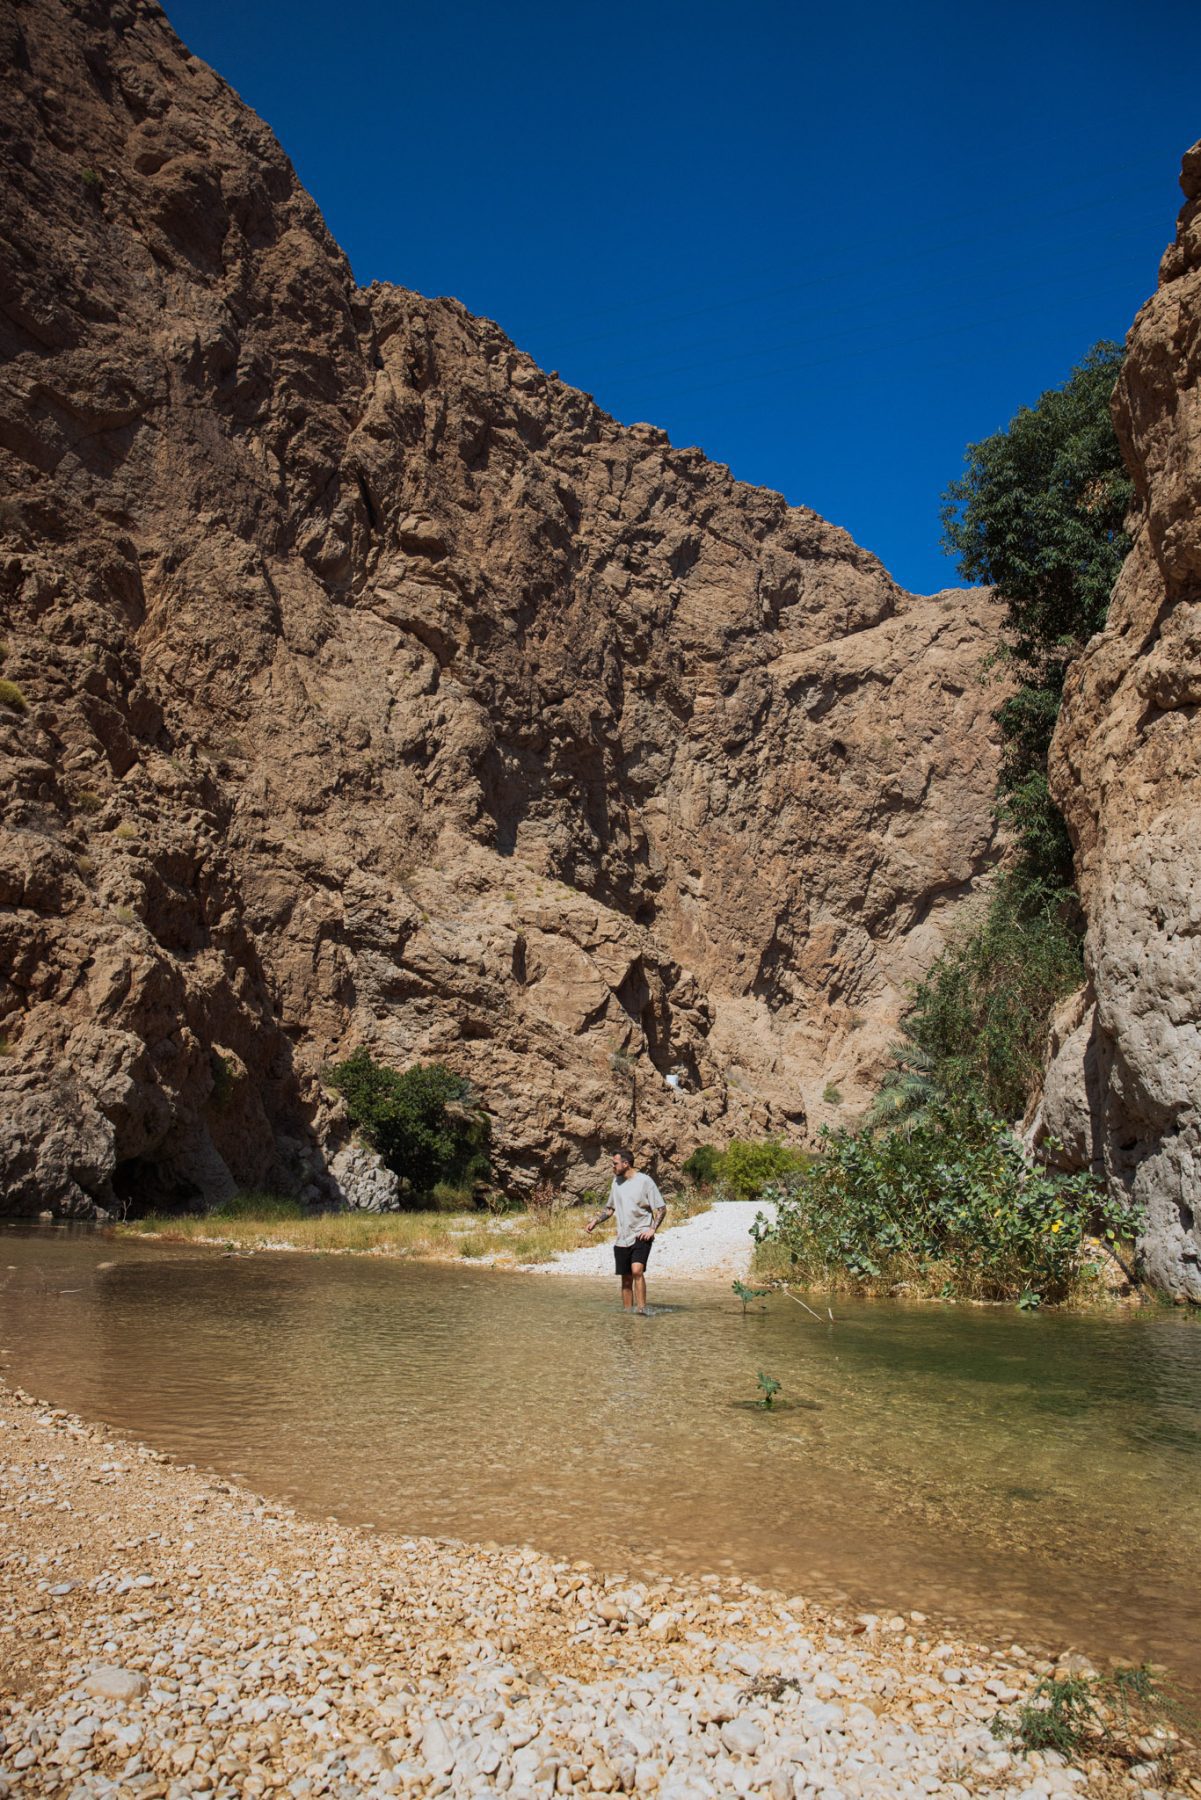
(165, 1632)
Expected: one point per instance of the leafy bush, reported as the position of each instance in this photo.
(12, 697)
(747, 1167)
(979, 1019)
(951, 1205)
(703, 1166)
(426, 1124)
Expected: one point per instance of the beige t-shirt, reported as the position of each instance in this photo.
(635, 1201)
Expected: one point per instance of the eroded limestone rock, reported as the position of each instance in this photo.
(1124, 1086)
(380, 688)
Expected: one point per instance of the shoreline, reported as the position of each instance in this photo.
(1108, 1303)
(260, 1651)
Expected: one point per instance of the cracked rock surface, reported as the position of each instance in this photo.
(375, 686)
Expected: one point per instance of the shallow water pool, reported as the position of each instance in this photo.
(1030, 1477)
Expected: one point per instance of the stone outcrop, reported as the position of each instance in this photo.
(372, 685)
(1124, 1085)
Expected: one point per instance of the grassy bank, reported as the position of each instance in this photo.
(263, 1222)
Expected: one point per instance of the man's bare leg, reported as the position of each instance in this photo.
(639, 1280)
(627, 1291)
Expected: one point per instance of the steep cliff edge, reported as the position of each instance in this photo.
(379, 687)
(1123, 1090)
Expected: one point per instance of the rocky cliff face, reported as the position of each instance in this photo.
(1124, 1087)
(373, 685)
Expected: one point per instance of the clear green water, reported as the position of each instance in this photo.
(1030, 1477)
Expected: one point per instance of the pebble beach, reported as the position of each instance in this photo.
(165, 1632)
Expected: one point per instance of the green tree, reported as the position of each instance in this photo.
(703, 1166)
(1038, 515)
(427, 1123)
(747, 1167)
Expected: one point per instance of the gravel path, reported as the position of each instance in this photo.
(716, 1245)
(164, 1632)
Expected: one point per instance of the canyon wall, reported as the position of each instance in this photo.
(1123, 1091)
(370, 685)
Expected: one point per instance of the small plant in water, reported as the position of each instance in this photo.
(747, 1294)
(769, 1387)
(1029, 1301)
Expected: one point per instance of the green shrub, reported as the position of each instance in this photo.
(950, 1205)
(747, 1168)
(448, 1197)
(259, 1206)
(703, 1166)
(1107, 1716)
(12, 697)
(831, 1094)
(426, 1123)
(979, 1019)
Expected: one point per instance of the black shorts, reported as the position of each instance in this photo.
(626, 1255)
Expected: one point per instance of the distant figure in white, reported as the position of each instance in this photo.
(640, 1208)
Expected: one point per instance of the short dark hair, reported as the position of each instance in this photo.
(625, 1155)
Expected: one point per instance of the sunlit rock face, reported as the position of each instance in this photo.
(380, 688)
(1124, 1089)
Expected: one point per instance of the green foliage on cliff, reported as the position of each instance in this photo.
(949, 1206)
(1038, 515)
(979, 1020)
(426, 1124)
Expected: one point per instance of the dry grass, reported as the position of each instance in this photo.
(429, 1236)
(506, 1240)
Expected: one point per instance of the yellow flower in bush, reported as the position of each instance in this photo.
(1058, 1225)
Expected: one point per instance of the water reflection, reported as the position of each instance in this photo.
(1036, 1475)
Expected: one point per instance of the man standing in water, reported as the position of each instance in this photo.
(640, 1208)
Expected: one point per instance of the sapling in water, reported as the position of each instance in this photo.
(747, 1294)
(770, 1388)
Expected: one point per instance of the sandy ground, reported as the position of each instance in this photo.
(164, 1632)
(714, 1246)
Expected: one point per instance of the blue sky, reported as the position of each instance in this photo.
(830, 245)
